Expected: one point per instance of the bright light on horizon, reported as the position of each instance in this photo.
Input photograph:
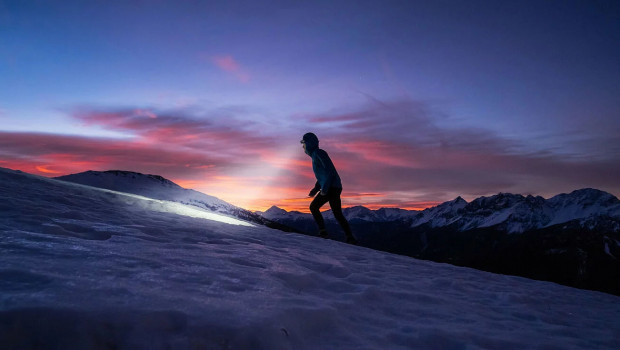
(253, 187)
(174, 207)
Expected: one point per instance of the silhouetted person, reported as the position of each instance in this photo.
(328, 184)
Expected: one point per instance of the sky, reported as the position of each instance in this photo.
(416, 102)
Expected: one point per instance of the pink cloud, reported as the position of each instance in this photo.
(220, 135)
(61, 154)
(228, 64)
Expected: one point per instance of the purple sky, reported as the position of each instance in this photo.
(417, 102)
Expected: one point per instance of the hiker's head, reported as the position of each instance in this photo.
(310, 142)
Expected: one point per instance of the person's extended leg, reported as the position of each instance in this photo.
(336, 204)
(315, 207)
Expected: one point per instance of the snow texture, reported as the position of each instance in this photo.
(84, 268)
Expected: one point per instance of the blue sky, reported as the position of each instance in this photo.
(526, 91)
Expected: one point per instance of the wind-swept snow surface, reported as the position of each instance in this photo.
(85, 268)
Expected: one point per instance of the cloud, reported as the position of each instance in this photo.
(44, 169)
(393, 154)
(61, 154)
(218, 133)
(225, 154)
(228, 64)
(404, 146)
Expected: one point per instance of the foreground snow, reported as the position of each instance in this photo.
(86, 268)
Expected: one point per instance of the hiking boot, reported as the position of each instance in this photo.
(323, 233)
(351, 240)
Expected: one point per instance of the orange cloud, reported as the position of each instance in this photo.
(44, 169)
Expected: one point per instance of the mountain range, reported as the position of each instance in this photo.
(511, 213)
(572, 239)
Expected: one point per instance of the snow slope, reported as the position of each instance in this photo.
(85, 268)
(152, 186)
(157, 187)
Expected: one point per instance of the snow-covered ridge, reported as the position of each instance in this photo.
(119, 180)
(128, 198)
(158, 187)
(152, 186)
(509, 212)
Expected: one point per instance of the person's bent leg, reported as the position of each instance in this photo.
(315, 209)
(336, 204)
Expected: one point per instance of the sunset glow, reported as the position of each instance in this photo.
(416, 102)
(45, 170)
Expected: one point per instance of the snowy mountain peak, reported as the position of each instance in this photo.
(534, 199)
(275, 211)
(456, 202)
(441, 215)
(119, 180)
(586, 197)
(459, 199)
(498, 201)
(583, 203)
(391, 214)
(358, 210)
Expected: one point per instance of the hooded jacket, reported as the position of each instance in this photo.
(324, 170)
